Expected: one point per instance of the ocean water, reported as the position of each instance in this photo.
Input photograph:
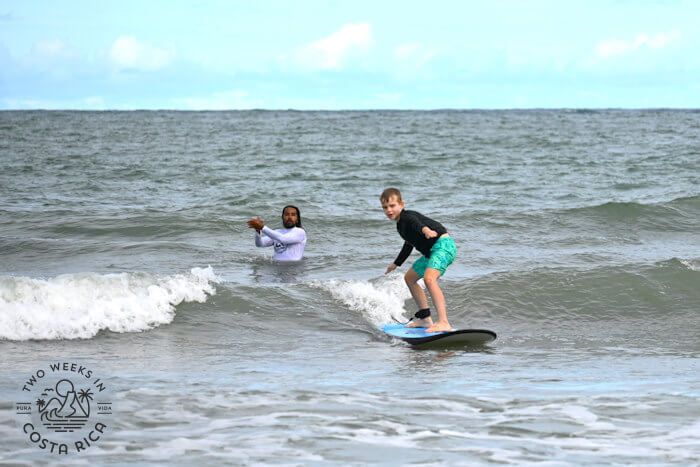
(123, 247)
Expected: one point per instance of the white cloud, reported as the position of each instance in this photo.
(54, 48)
(406, 51)
(413, 55)
(610, 47)
(50, 54)
(128, 53)
(334, 51)
(86, 103)
(614, 47)
(413, 61)
(54, 57)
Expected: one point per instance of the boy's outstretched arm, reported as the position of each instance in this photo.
(391, 267)
(403, 254)
(428, 232)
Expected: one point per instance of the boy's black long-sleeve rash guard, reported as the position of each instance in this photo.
(410, 226)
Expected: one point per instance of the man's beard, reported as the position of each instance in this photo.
(289, 224)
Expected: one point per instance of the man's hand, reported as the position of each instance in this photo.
(256, 224)
(391, 267)
(429, 233)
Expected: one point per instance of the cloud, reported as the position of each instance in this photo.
(127, 53)
(53, 57)
(414, 53)
(52, 49)
(614, 47)
(333, 52)
(412, 57)
(85, 103)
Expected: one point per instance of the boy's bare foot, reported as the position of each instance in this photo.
(439, 327)
(421, 323)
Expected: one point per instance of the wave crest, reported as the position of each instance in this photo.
(78, 306)
(379, 301)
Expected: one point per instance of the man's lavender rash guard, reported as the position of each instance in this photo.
(289, 243)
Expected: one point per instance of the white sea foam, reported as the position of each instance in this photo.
(379, 300)
(693, 265)
(72, 306)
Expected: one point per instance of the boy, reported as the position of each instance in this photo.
(430, 238)
(289, 242)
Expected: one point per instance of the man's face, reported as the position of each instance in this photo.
(290, 217)
(392, 207)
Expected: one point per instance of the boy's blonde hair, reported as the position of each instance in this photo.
(388, 193)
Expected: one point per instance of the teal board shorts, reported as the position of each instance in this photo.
(441, 255)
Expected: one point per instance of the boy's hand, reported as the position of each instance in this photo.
(256, 223)
(429, 233)
(391, 267)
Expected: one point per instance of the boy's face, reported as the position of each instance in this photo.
(392, 207)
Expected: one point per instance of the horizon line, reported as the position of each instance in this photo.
(445, 109)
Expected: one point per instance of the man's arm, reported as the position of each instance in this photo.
(295, 236)
(258, 225)
(261, 241)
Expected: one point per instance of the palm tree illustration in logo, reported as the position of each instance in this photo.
(65, 412)
(85, 395)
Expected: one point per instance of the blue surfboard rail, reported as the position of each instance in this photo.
(418, 336)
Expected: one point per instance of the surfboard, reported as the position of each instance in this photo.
(459, 337)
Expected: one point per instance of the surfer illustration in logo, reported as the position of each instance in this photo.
(66, 411)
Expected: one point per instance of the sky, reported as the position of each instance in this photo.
(336, 55)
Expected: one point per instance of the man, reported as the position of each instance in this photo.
(289, 242)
